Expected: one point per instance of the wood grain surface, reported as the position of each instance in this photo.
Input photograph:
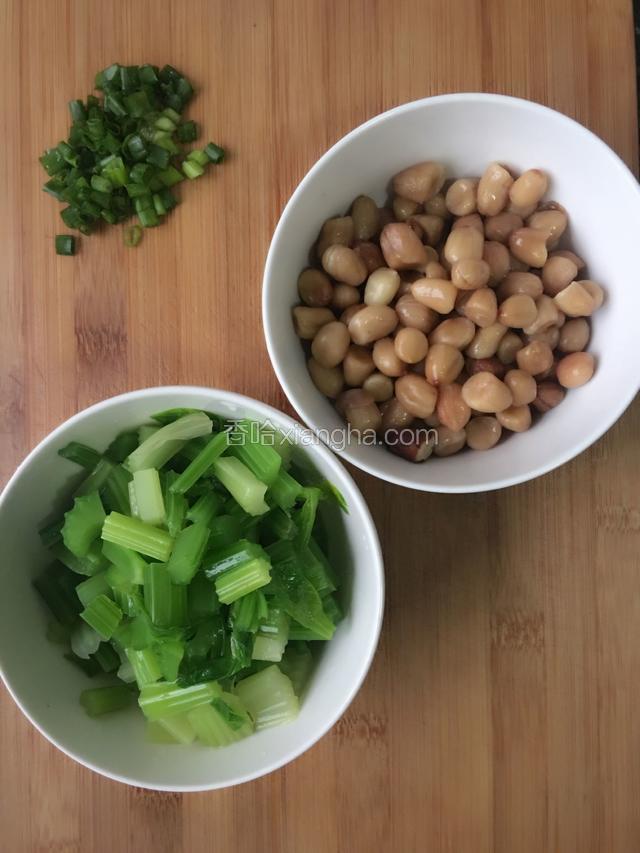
(501, 713)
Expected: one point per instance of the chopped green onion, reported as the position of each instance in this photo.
(214, 152)
(56, 587)
(199, 157)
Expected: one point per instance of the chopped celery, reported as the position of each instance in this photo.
(202, 463)
(168, 416)
(121, 446)
(272, 636)
(305, 517)
(84, 640)
(133, 498)
(116, 490)
(178, 728)
(81, 454)
(285, 490)
(135, 534)
(169, 652)
(82, 524)
(332, 609)
(175, 505)
(239, 553)
(88, 565)
(145, 664)
(157, 733)
(165, 443)
(146, 431)
(247, 612)
(92, 588)
(106, 657)
(165, 698)
(250, 448)
(268, 697)
(333, 493)
(242, 484)
(242, 580)
(96, 479)
(277, 524)
(187, 554)
(103, 700)
(314, 565)
(221, 722)
(57, 590)
(296, 664)
(103, 615)
(149, 500)
(205, 509)
(51, 533)
(272, 437)
(158, 594)
(223, 531)
(128, 566)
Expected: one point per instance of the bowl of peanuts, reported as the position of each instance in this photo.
(448, 298)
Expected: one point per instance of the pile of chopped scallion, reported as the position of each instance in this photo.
(125, 152)
(191, 572)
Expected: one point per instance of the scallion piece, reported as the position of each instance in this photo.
(214, 152)
(192, 169)
(149, 498)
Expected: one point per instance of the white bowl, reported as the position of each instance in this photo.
(466, 132)
(46, 687)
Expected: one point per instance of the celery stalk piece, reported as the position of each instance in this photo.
(57, 589)
(135, 534)
(277, 524)
(298, 633)
(158, 594)
(51, 533)
(89, 565)
(167, 441)
(133, 499)
(285, 490)
(103, 700)
(176, 505)
(121, 446)
(242, 484)
(247, 612)
(251, 448)
(157, 733)
(84, 641)
(82, 524)
(214, 448)
(127, 565)
(272, 636)
(165, 698)
(149, 498)
(315, 567)
(187, 554)
(125, 672)
(268, 697)
(205, 508)
(103, 615)
(224, 530)
(242, 580)
(169, 652)
(146, 431)
(178, 728)
(230, 557)
(170, 415)
(222, 722)
(296, 664)
(81, 454)
(305, 517)
(202, 600)
(332, 609)
(96, 479)
(92, 588)
(145, 665)
(116, 490)
(328, 573)
(107, 657)
(272, 437)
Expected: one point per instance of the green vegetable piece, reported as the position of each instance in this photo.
(128, 566)
(81, 454)
(285, 490)
(214, 152)
(166, 699)
(202, 463)
(103, 615)
(82, 524)
(272, 636)
(187, 554)
(56, 587)
(205, 508)
(167, 441)
(92, 588)
(242, 484)
(65, 244)
(149, 500)
(269, 698)
(177, 728)
(192, 169)
(222, 722)
(135, 534)
(242, 580)
(297, 665)
(249, 611)
(145, 665)
(132, 235)
(104, 700)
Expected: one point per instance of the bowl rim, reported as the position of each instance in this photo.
(270, 277)
(358, 508)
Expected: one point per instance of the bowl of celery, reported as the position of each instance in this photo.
(192, 588)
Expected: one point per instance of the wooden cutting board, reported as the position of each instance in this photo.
(501, 711)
